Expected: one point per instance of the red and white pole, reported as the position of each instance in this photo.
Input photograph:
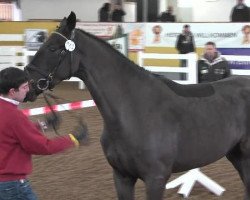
(59, 107)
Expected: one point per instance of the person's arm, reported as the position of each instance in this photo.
(112, 16)
(178, 43)
(193, 44)
(174, 18)
(123, 12)
(232, 16)
(247, 17)
(227, 69)
(34, 142)
(198, 70)
(99, 15)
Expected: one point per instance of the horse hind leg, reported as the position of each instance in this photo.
(124, 186)
(240, 158)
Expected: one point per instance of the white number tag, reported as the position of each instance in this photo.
(70, 45)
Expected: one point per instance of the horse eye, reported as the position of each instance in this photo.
(53, 49)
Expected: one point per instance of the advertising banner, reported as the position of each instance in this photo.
(135, 32)
(230, 39)
(34, 38)
(136, 35)
(120, 44)
(225, 35)
(102, 30)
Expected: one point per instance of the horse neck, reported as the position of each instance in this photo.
(112, 79)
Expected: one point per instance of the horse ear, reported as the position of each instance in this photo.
(71, 20)
(63, 22)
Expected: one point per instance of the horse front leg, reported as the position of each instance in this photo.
(155, 186)
(245, 171)
(125, 186)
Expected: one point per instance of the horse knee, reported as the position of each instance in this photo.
(156, 181)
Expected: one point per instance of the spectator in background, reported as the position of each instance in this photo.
(104, 13)
(240, 12)
(185, 43)
(118, 13)
(168, 15)
(211, 66)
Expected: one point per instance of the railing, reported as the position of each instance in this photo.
(11, 56)
(190, 70)
(238, 58)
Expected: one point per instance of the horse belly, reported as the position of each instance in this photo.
(207, 131)
(203, 151)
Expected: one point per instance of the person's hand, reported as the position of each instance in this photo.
(52, 120)
(81, 134)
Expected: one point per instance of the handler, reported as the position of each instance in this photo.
(20, 138)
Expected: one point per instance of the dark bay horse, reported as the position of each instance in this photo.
(152, 126)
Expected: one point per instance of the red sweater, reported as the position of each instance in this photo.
(19, 139)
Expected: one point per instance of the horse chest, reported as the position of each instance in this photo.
(120, 154)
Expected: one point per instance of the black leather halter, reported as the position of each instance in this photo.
(45, 82)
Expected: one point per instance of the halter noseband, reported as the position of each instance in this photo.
(44, 83)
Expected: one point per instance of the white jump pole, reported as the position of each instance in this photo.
(187, 181)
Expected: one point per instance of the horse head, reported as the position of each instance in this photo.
(61, 61)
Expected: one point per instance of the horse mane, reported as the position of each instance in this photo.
(131, 63)
(192, 90)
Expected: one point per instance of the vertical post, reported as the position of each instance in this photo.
(140, 59)
(192, 65)
(145, 10)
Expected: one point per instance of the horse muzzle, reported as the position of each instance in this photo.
(30, 96)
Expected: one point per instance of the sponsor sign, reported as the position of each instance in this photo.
(34, 38)
(120, 44)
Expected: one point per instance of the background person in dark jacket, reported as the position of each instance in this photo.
(185, 43)
(211, 66)
(168, 15)
(240, 12)
(104, 13)
(118, 13)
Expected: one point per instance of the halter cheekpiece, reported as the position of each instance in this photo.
(69, 44)
(44, 83)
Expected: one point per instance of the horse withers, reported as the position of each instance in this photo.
(152, 126)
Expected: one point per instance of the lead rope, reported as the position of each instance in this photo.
(55, 98)
(52, 111)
